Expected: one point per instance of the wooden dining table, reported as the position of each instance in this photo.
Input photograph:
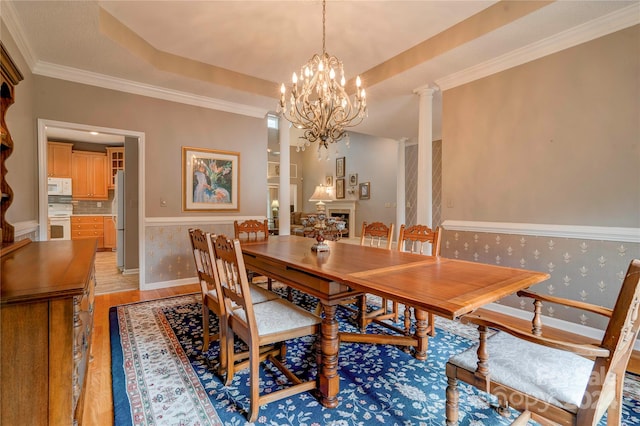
(446, 287)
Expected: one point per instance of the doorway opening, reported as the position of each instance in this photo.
(133, 143)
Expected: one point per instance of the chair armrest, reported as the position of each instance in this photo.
(568, 302)
(586, 350)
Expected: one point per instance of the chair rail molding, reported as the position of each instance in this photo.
(602, 233)
(189, 220)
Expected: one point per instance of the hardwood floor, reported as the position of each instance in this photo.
(98, 409)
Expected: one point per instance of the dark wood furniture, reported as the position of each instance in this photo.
(446, 287)
(10, 77)
(46, 307)
(551, 380)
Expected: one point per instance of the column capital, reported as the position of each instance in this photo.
(426, 90)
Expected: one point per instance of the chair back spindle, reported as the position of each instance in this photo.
(376, 234)
(251, 229)
(416, 238)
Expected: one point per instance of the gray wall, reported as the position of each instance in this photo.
(168, 126)
(555, 141)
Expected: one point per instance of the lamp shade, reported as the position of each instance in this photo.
(321, 194)
(275, 204)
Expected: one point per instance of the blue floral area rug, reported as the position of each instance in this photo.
(161, 376)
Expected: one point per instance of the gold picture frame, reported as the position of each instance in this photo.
(210, 180)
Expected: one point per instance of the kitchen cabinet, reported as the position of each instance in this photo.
(83, 227)
(89, 175)
(47, 309)
(59, 159)
(109, 232)
(115, 160)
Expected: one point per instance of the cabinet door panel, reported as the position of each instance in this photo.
(89, 174)
(80, 175)
(100, 190)
(59, 159)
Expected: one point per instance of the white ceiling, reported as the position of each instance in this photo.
(91, 42)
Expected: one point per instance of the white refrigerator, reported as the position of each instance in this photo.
(118, 199)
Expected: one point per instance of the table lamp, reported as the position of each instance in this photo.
(321, 194)
(275, 205)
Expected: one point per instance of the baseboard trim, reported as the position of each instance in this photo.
(167, 284)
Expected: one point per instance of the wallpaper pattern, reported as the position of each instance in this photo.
(587, 270)
(411, 183)
(168, 254)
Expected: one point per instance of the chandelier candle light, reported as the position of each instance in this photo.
(319, 103)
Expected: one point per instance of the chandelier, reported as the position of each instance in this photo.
(318, 102)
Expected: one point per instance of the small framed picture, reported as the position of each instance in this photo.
(328, 181)
(340, 167)
(339, 188)
(353, 179)
(365, 190)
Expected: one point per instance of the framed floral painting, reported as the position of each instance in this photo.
(210, 179)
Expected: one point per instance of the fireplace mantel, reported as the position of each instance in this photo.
(344, 206)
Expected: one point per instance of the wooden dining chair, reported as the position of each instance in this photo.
(206, 268)
(376, 234)
(548, 380)
(259, 325)
(253, 230)
(419, 239)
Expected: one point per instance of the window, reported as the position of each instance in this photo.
(272, 121)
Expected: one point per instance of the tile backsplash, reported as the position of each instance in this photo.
(91, 207)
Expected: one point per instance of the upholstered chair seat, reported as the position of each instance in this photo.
(533, 369)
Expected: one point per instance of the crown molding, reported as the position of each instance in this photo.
(615, 21)
(100, 80)
(9, 18)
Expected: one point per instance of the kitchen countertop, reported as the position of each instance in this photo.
(94, 214)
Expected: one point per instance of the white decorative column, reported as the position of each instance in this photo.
(401, 187)
(425, 157)
(284, 194)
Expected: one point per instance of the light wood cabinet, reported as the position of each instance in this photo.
(46, 329)
(89, 175)
(115, 159)
(109, 232)
(59, 159)
(83, 227)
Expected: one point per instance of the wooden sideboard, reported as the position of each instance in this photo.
(46, 313)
